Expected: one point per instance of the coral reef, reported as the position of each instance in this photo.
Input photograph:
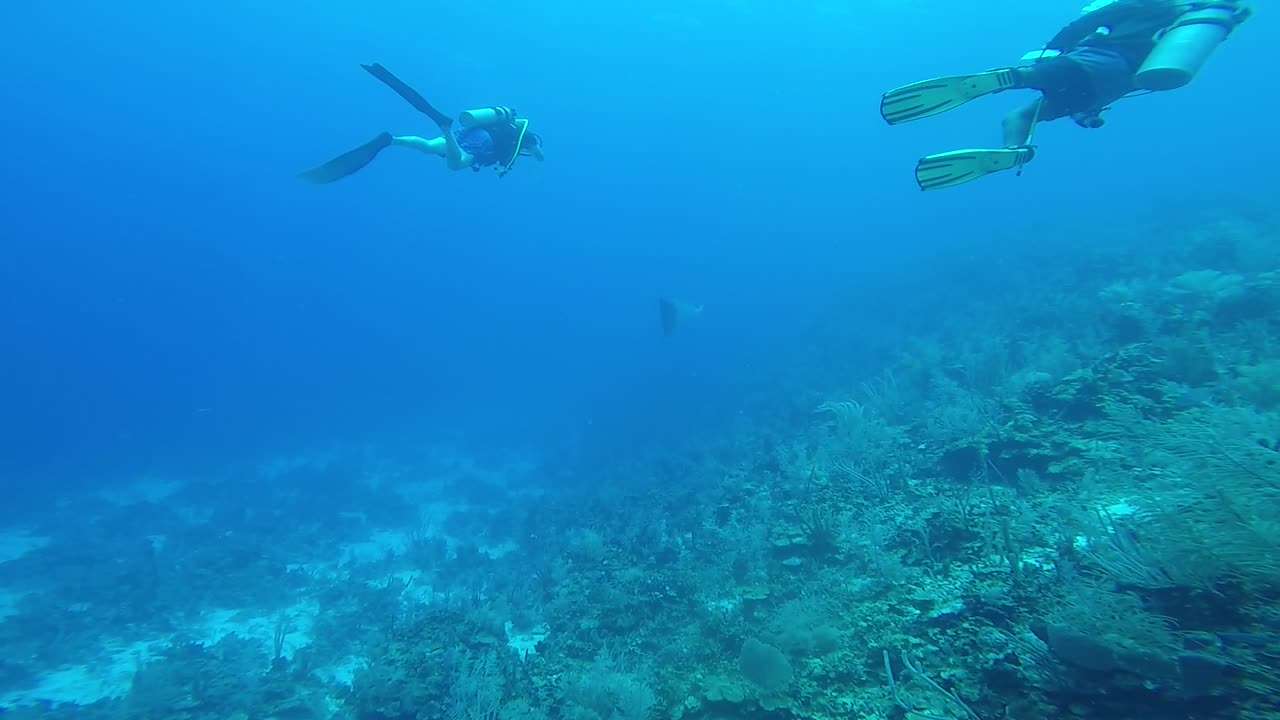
(1058, 502)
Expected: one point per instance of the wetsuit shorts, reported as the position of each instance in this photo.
(1083, 80)
(479, 142)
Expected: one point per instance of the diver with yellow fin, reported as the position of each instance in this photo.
(1116, 49)
(488, 137)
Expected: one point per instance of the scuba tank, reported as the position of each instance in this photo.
(486, 117)
(1183, 47)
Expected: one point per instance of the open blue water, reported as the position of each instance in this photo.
(176, 304)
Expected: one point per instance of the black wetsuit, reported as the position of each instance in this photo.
(496, 144)
(1101, 53)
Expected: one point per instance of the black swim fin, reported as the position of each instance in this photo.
(669, 311)
(410, 95)
(348, 162)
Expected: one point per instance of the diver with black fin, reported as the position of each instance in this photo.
(672, 311)
(1115, 49)
(488, 137)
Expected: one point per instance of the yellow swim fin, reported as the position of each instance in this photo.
(932, 97)
(961, 166)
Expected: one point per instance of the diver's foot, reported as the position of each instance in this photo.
(1029, 152)
(1014, 76)
(1021, 78)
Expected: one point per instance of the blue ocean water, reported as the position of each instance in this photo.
(181, 311)
(727, 151)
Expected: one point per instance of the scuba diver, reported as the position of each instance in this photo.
(1116, 49)
(489, 136)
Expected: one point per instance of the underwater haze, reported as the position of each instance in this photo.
(415, 445)
(175, 290)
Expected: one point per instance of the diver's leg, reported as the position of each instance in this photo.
(446, 147)
(455, 156)
(1064, 84)
(430, 146)
(1019, 124)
